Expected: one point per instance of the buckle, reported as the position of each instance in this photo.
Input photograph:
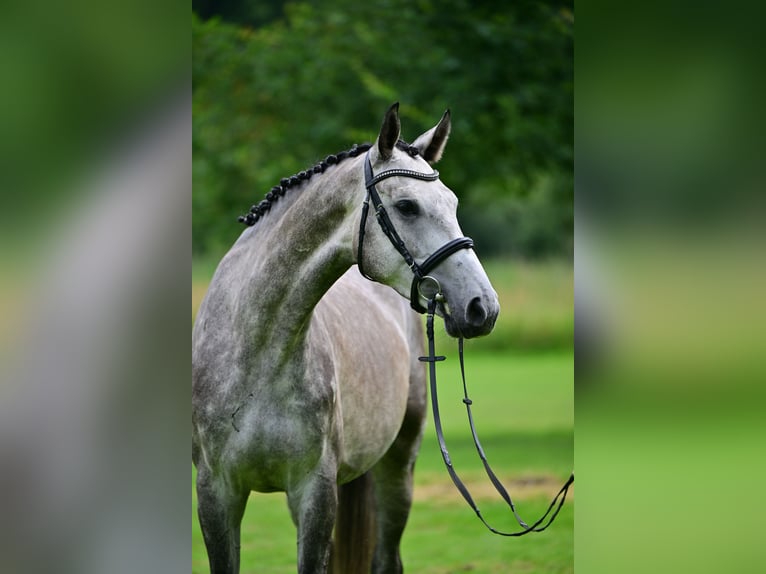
(429, 288)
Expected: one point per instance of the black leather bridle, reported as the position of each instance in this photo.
(429, 288)
(422, 283)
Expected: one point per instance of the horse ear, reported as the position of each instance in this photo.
(431, 144)
(389, 132)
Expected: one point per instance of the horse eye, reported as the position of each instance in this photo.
(407, 207)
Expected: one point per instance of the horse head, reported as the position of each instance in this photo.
(420, 231)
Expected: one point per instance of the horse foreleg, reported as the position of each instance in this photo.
(313, 504)
(220, 509)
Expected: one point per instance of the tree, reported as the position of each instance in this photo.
(504, 69)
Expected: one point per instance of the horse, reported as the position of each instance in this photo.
(306, 378)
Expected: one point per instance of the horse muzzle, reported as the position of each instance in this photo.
(475, 318)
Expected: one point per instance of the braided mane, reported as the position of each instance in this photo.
(260, 209)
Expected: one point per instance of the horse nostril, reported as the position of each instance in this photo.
(476, 314)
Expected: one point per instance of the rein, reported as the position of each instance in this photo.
(432, 359)
(423, 285)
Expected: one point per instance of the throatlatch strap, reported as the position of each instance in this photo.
(432, 359)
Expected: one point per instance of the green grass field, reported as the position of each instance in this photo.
(523, 407)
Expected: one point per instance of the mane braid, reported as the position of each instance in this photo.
(260, 209)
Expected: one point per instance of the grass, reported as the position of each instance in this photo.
(523, 407)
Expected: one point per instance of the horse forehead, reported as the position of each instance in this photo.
(403, 160)
(433, 193)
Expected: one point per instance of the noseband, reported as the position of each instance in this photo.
(422, 283)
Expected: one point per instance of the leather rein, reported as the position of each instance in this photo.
(429, 288)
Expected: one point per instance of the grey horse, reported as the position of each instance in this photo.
(306, 377)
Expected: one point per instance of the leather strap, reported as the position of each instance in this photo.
(558, 500)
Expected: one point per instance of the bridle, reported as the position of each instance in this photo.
(422, 283)
(429, 288)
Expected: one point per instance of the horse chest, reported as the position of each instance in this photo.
(287, 426)
(280, 427)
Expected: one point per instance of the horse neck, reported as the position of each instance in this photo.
(293, 255)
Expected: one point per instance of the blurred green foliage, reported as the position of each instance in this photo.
(279, 85)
